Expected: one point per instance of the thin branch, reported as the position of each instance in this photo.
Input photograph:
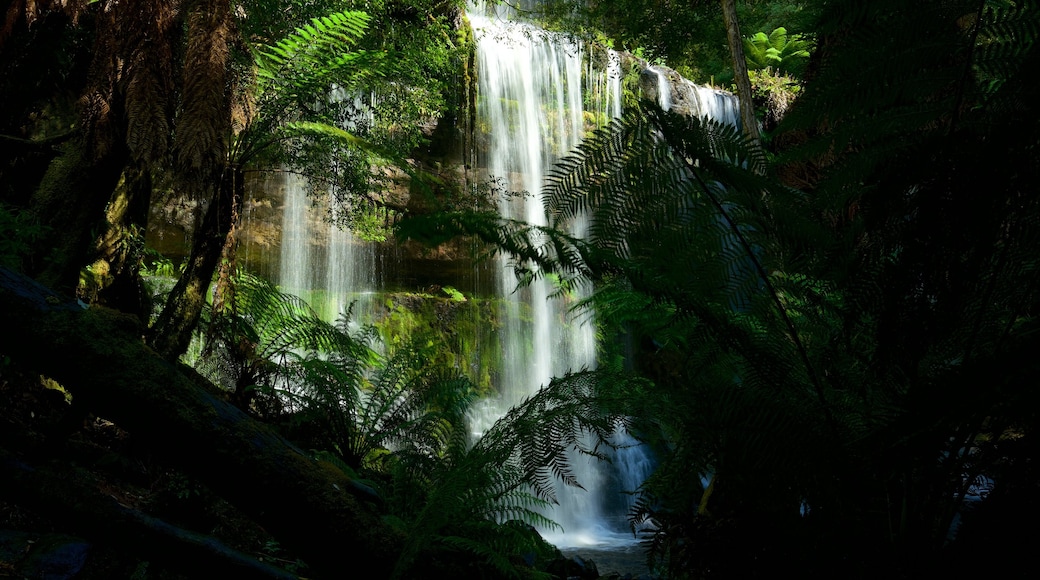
(37, 144)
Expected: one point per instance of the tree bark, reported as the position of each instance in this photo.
(70, 202)
(171, 333)
(97, 354)
(740, 72)
(120, 250)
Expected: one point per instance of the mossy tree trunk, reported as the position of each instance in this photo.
(71, 202)
(120, 250)
(171, 333)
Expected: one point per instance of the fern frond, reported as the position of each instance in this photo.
(510, 473)
(311, 45)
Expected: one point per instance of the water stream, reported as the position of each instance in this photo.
(328, 266)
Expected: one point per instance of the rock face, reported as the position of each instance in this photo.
(680, 95)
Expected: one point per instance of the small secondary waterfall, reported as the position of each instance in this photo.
(675, 93)
(321, 262)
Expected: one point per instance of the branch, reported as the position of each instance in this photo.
(41, 145)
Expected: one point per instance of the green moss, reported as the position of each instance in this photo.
(463, 329)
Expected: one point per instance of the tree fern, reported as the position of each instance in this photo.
(783, 53)
(309, 54)
(407, 406)
(295, 118)
(273, 343)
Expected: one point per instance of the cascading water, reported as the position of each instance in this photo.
(675, 93)
(531, 101)
(531, 104)
(320, 261)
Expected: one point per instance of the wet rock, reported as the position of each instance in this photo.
(573, 568)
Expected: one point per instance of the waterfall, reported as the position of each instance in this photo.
(321, 262)
(531, 101)
(678, 94)
(532, 106)
(538, 95)
(664, 90)
(294, 263)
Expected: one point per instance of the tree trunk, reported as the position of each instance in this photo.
(70, 202)
(97, 354)
(740, 72)
(171, 333)
(116, 269)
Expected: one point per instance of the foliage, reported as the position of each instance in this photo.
(271, 343)
(787, 55)
(507, 476)
(157, 265)
(19, 232)
(381, 92)
(689, 36)
(463, 329)
(287, 126)
(407, 404)
(402, 420)
(773, 94)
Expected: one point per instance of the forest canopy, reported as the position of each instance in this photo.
(826, 333)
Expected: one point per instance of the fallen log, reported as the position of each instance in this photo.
(67, 495)
(98, 355)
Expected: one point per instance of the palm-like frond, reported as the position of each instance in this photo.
(295, 79)
(314, 108)
(275, 343)
(149, 81)
(319, 45)
(785, 54)
(407, 406)
(1005, 35)
(509, 474)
